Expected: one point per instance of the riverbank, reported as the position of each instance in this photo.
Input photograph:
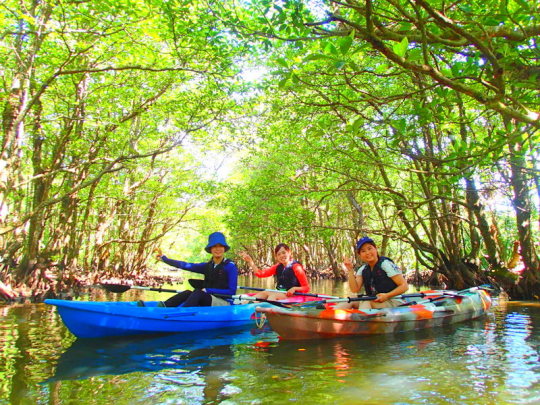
(52, 284)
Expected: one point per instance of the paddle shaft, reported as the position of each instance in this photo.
(446, 294)
(251, 298)
(296, 293)
(119, 288)
(157, 289)
(372, 298)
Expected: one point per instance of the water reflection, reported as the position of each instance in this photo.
(115, 356)
(463, 363)
(495, 359)
(522, 361)
(195, 366)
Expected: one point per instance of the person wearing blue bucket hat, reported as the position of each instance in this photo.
(220, 276)
(216, 238)
(379, 276)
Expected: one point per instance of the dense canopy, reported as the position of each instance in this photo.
(135, 124)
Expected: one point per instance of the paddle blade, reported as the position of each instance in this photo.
(115, 288)
(196, 283)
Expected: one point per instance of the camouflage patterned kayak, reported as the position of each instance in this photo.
(315, 323)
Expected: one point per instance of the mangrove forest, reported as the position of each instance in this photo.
(134, 125)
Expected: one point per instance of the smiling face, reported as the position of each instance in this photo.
(217, 252)
(368, 253)
(283, 256)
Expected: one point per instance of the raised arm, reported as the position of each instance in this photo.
(247, 258)
(355, 281)
(194, 267)
(270, 271)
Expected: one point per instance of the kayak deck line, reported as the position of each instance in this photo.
(175, 315)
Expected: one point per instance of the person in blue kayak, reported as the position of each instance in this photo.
(290, 274)
(378, 275)
(220, 276)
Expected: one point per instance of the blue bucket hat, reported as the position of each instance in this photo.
(361, 242)
(216, 238)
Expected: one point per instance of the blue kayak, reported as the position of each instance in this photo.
(90, 319)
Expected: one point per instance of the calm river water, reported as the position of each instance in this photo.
(493, 360)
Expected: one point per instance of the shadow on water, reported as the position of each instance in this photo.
(87, 358)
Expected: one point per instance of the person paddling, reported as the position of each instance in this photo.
(290, 274)
(220, 276)
(379, 275)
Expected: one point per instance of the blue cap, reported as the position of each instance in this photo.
(216, 238)
(361, 242)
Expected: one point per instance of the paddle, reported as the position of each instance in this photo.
(373, 297)
(296, 293)
(119, 288)
(196, 283)
(252, 298)
(454, 294)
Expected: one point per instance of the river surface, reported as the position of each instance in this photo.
(492, 360)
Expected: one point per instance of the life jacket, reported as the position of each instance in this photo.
(216, 277)
(285, 277)
(376, 280)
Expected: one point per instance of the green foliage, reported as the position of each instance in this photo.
(356, 123)
(120, 91)
(397, 120)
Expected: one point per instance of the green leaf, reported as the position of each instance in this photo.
(316, 56)
(524, 4)
(283, 82)
(493, 21)
(330, 48)
(354, 66)
(401, 47)
(416, 55)
(345, 44)
(339, 64)
(382, 68)
(457, 69)
(357, 124)
(405, 26)
(282, 62)
(400, 125)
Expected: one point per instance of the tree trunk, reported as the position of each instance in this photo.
(476, 207)
(530, 280)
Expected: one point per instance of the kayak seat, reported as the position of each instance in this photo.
(140, 303)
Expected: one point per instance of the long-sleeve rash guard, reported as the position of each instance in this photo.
(299, 272)
(201, 268)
